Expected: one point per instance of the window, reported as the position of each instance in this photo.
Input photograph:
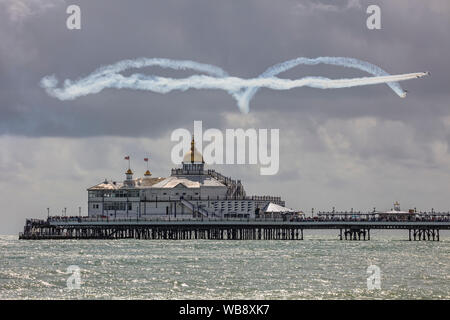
(133, 193)
(117, 206)
(95, 194)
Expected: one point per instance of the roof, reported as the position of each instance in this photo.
(191, 181)
(272, 207)
(137, 183)
(106, 185)
(147, 181)
(188, 181)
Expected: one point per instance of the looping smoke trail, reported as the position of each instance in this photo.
(245, 97)
(242, 90)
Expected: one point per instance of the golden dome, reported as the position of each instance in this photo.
(193, 155)
(197, 157)
(129, 171)
(147, 173)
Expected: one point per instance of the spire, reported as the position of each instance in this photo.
(193, 162)
(192, 149)
(193, 156)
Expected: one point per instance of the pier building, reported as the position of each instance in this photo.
(189, 191)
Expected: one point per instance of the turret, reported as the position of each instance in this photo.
(147, 173)
(193, 162)
(128, 174)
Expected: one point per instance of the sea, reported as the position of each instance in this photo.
(319, 267)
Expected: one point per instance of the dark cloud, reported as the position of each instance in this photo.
(243, 37)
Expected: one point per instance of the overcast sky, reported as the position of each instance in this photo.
(358, 148)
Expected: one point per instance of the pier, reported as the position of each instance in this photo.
(222, 229)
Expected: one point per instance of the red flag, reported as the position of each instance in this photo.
(127, 158)
(146, 159)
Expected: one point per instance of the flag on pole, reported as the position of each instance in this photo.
(128, 158)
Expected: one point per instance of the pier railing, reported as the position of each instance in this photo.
(215, 228)
(445, 217)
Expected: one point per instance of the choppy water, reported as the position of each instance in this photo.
(320, 267)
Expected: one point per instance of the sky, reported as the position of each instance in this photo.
(358, 148)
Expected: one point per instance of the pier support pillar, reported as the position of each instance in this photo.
(424, 234)
(355, 234)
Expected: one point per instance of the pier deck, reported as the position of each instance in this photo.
(218, 229)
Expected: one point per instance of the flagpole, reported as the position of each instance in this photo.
(129, 163)
(146, 160)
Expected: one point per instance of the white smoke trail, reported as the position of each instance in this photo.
(242, 90)
(244, 98)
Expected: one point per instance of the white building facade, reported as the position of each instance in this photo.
(190, 191)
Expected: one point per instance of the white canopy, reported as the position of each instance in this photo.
(395, 212)
(275, 208)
